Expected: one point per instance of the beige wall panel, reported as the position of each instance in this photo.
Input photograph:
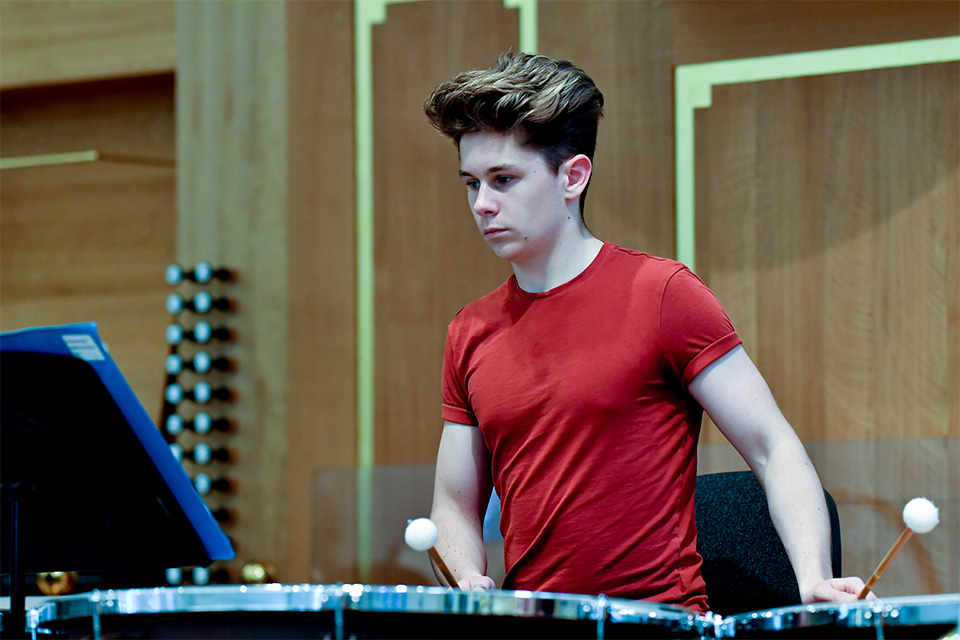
(62, 41)
(953, 305)
(232, 207)
(322, 290)
(707, 30)
(826, 217)
(430, 258)
(90, 242)
(625, 47)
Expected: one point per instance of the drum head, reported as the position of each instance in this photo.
(914, 617)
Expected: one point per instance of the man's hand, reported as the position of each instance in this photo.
(835, 590)
(476, 582)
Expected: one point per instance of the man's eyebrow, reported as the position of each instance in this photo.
(494, 169)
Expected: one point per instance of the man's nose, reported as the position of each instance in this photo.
(486, 203)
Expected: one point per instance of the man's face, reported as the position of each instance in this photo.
(516, 200)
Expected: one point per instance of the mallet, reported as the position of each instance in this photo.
(921, 516)
(421, 535)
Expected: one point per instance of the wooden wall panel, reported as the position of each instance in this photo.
(824, 215)
(837, 211)
(430, 258)
(706, 30)
(232, 196)
(61, 41)
(265, 175)
(90, 242)
(321, 374)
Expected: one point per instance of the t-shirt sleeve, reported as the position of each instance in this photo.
(456, 405)
(694, 328)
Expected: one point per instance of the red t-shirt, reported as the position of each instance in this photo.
(580, 394)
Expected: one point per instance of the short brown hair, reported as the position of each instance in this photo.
(552, 104)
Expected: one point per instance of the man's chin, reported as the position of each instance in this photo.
(504, 251)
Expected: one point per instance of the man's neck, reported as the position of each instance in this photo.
(567, 259)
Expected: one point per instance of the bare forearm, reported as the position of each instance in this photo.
(461, 491)
(460, 544)
(799, 513)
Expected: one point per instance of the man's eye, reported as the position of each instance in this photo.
(504, 179)
(473, 184)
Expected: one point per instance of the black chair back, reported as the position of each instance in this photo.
(744, 563)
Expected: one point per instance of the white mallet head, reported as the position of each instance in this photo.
(421, 534)
(921, 515)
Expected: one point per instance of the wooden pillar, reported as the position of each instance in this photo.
(265, 185)
(321, 368)
(232, 202)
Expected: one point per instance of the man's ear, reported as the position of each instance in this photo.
(576, 172)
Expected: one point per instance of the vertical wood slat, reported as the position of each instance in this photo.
(232, 205)
(322, 296)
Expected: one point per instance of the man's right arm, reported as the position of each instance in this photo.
(461, 491)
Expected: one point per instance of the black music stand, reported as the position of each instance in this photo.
(88, 481)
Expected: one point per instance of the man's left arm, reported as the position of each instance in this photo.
(738, 400)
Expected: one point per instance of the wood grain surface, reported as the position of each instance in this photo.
(67, 41)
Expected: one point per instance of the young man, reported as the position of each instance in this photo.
(575, 388)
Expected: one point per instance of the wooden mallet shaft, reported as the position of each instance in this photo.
(437, 560)
(894, 550)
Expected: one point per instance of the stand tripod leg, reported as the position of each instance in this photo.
(17, 627)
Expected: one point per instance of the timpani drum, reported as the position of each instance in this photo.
(914, 617)
(227, 611)
(434, 612)
(354, 611)
(438, 612)
(642, 619)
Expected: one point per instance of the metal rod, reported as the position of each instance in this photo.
(18, 614)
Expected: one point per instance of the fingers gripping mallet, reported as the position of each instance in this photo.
(921, 516)
(421, 535)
